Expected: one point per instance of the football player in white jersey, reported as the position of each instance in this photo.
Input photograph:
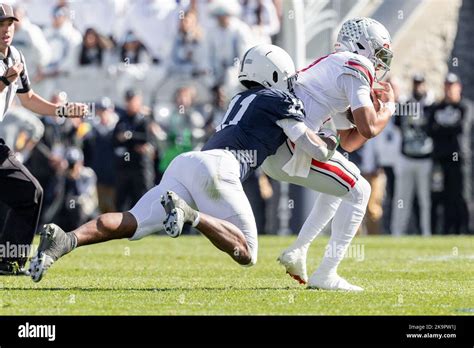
(338, 86)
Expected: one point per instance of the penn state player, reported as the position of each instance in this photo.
(331, 88)
(204, 188)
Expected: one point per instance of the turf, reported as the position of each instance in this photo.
(188, 276)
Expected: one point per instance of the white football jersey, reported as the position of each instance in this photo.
(332, 84)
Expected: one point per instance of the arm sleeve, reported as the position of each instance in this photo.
(296, 132)
(357, 92)
(24, 80)
(292, 128)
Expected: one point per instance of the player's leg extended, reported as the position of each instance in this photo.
(225, 216)
(339, 180)
(330, 186)
(294, 257)
(223, 234)
(345, 224)
(143, 219)
(55, 243)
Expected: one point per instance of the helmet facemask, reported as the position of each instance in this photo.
(382, 60)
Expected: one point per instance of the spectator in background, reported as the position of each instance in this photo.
(228, 41)
(184, 126)
(30, 40)
(217, 111)
(65, 42)
(262, 17)
(135, 154)
(93, 48)
(155, 23)
(189, 54)
(104, 15)
(103, 158)
(78, 133)
(413, 170)
(42, 10)
(79, 200)
(133, 51)
(447, 121)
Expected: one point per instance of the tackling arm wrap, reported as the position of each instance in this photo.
(315, 145)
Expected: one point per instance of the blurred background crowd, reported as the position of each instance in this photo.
(159, 74)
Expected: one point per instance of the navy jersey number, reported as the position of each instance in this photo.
(234, 114)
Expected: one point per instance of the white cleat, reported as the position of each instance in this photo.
(294, 261)
(178, 213)
(331, 282)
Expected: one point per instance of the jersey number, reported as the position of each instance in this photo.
(234, 114)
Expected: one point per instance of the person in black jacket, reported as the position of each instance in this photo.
(135, 154)
(414, 166)
(447, 127)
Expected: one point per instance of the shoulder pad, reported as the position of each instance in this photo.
(360, 67)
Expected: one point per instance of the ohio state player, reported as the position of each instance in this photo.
(332, 88)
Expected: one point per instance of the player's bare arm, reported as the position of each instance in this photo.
(350, 139)
(368, 121)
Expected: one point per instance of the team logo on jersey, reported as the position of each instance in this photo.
(296, 107)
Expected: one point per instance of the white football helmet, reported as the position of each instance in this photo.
(268, 65)
(369, 38)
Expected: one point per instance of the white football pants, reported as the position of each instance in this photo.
(208, 181)
(344, 196)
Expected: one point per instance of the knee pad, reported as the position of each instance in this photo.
(360, 193)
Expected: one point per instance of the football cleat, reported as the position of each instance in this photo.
(331, 282)
(54, 243)
(178, 213)
(294, 261)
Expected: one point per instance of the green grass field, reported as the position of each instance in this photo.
(188, 276)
